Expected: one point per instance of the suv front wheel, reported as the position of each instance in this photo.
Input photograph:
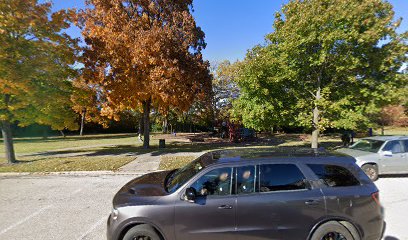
(141, 232)
(332, 231)
(371, 171)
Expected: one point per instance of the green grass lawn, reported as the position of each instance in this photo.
(61, 164)
(392, 131)
(87, 153)
(111, 151)
(173, 162)
(280, 141)
(31, 145)
(74, 153)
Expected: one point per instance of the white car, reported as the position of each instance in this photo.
(380, 155)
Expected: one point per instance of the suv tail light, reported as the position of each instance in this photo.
(376, 197)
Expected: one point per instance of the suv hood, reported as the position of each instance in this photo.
(353, 152)
(141, 190)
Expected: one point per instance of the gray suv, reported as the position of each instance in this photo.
(251, 195)
(380, 155)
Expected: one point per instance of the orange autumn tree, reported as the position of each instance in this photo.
(144, 54)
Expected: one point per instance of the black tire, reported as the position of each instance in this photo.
(142, 232)
(371, 171)
(332, 230)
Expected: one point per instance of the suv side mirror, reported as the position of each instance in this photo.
(190, 194)
(387, 153)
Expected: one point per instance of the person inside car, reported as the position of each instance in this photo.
(219, 186)
(223, 184)
(247, 181)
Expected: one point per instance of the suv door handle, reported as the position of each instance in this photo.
(225, 207)
(312, 202)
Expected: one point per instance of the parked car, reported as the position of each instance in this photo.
(251, 195)
(380, 155)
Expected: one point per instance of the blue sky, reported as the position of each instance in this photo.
(234, 26)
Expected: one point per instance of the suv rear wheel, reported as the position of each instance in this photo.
(141, 232)
(371, 171)
(332, 231)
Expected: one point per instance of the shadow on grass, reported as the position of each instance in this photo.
(174, 147)
(125, 150)
(90, 152)
(171, 147)
(72, 138)
(204, 146)
(328, 145)
(118, 150)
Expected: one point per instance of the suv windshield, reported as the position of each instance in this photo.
(182, 175)
(368, 145)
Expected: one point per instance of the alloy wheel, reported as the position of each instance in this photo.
(370, 172)
(141, 238)
(333, 236)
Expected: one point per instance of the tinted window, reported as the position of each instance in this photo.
(181, 176)
(393, 146)
(405, 145)
(215, 182)
(279, 177)
(334, 176)
(246, 180)
(368, 145)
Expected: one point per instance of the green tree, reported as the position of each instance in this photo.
(35, 68)
(328, 63)
(265, 100)
(224, 89)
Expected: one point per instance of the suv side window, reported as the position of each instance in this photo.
(246, 179)
(215, 182)
(334, 176)
(393, 146)
(280, 177)
(405, 145)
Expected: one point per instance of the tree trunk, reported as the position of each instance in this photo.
(165, 124)
(315, 132)
(316, 113)
(8, 141)
(45, 132)
(146, 120)
(62, 133)
(140, 130)
(382, 129)
(81, 132)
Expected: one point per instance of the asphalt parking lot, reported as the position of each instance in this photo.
(57, 207)
(76, 207)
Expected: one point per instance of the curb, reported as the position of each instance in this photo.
(73, 173)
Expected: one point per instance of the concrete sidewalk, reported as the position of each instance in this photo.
(149, 162)
(144, 163)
